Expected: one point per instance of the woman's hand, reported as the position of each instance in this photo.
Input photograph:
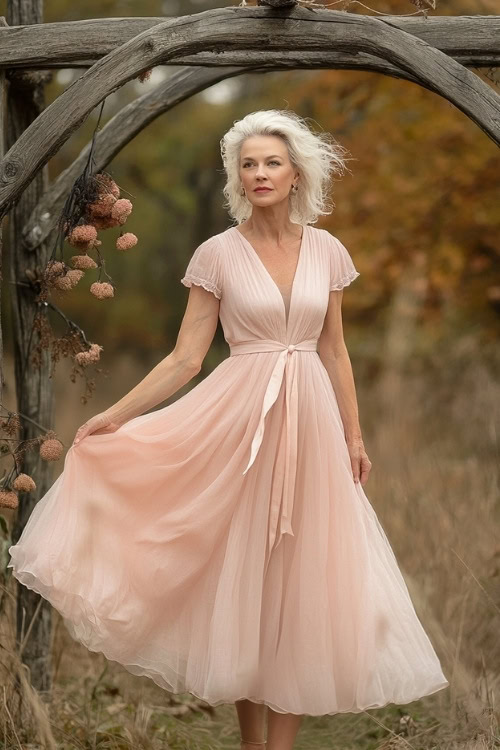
(99, 424)
(360, 462)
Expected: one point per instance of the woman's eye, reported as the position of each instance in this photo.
(271, 162)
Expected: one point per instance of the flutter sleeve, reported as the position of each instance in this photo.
(342, 270)
(204, 268)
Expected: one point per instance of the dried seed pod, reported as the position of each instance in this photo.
(103, 205)
(74, 276)
(90, 356)
(82, 234)
(126, 241)
(105, 222)
(121, 210)
(63, 283)
(82, 358)
(83, 262)
(51, 449)
(53, 270)
(102, 290)
(8, 499)
(24, 483)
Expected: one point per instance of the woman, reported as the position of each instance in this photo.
(224, 545)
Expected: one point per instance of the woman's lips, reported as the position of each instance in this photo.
(262, 190)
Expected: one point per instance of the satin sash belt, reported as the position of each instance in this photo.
(283, 485)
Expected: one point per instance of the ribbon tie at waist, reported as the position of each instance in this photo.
(283, 486)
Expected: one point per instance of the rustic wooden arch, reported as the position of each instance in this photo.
(239, 29)
(434, 53)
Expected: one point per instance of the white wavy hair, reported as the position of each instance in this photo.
(316, 156)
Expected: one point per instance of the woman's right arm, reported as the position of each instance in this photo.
(195, 336)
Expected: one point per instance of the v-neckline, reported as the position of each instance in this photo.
(297, 269)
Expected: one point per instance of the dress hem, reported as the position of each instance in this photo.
(138, 670)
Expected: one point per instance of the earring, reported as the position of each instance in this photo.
(295, 188)
(242, 190)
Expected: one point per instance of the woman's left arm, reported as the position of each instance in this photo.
(335, 357)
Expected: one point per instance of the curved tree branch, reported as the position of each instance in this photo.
(231, 28)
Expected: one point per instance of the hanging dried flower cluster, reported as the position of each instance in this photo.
(94, 205)
(100, 208)
(92, 355)
(50, 449)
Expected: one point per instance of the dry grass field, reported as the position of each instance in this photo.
(432, 436)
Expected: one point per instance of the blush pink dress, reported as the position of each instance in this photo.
(220, 545)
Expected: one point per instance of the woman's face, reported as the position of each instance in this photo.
(264, 162)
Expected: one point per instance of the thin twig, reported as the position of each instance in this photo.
(30, 626)
(388, 729)
(358, 2)
(11, 720)
(323, 6)
(492, 602)
(24, 416)
(71, 324)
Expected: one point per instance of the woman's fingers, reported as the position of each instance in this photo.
(110, 427)
(83, 431)
(360, 463)
(80, 434)
(366, 466)
(355, 465)
(99, 424)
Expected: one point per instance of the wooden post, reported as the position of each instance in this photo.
(33, 386)
(3, 127)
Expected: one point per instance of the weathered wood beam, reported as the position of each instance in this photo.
(3, 130)
(303, 60)
(223, 29)
(34, 387)
(472, 40)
